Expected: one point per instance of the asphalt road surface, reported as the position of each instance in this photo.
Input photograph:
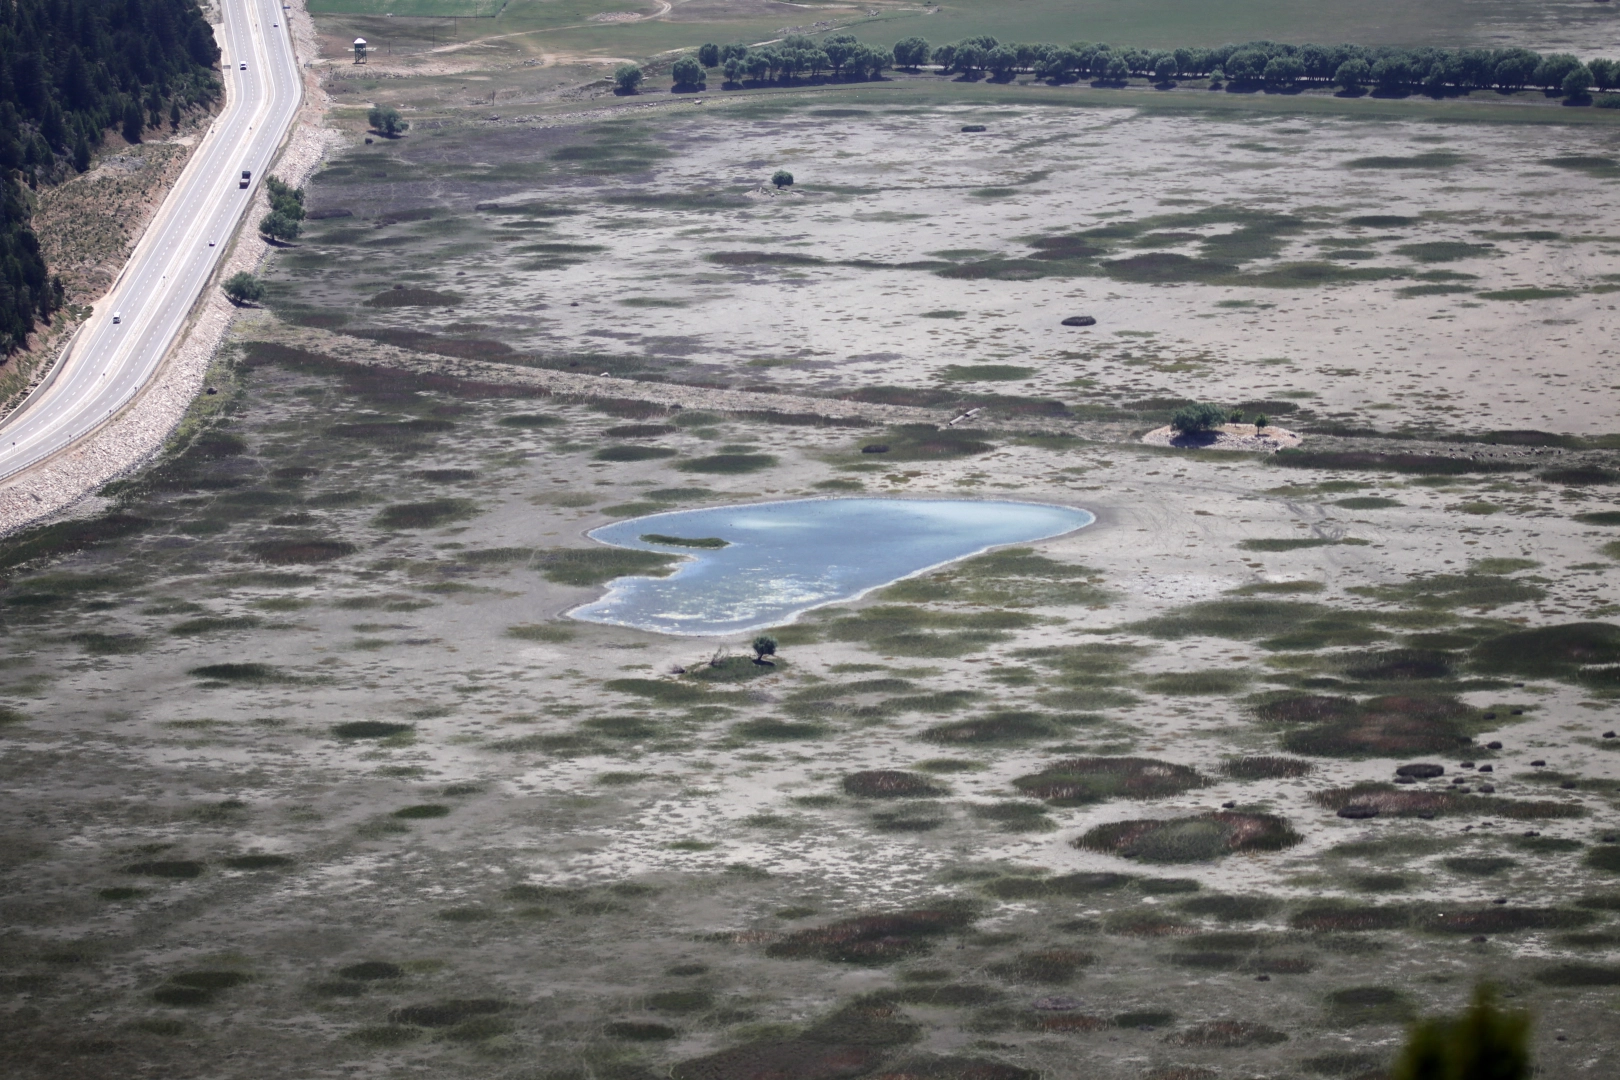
(109, 361)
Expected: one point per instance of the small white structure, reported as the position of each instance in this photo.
(359, 50)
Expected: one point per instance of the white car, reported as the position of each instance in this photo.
(117, 318)
(244, 65)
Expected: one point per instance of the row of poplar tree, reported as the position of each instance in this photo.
(1270, 64)
(71, 70)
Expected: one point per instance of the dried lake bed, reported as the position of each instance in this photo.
(314, 775)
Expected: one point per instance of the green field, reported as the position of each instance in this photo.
(464, 9)
(1582, 27)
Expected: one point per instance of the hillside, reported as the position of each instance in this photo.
(70, 72)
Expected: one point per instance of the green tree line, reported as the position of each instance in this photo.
(1255, 65)
(70, 70)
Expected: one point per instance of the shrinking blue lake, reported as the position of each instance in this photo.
(781, 559)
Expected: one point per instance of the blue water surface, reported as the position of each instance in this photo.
(784, 558)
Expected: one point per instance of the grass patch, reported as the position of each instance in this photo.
(1231, 908)
(425, 515)
(1433, 159)
(1372, 461)
(173, 869)
(1086, 780)
(985, 373)
(370, 729)
(627, 452)
(876, 939)
(1262, 767)
(296, 552)
(892, 784)
(587, 567)
(728, 464)
(422, 812)
(240, 673)
(1200, 838)
(1575, 652)
(713, 543)
(1389, 726)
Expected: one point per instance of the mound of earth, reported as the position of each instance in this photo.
(1245, 437)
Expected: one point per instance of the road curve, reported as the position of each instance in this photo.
(108, 363)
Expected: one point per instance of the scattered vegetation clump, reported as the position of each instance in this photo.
(1228, 1034)
(1046, 966)
(727, 464)
(190, 988)
(1478, 865)
(909, 630)
(1390, 726)
(1579, 975)
(926, 442)
(1372, 461)
(875, 939)
(790, 1059)
(1398, 665)
(529, 420)
(444, 1014)
(1342, 915)
(422, 811)
(1200, 838)
(1263, 767)
(1243, 619)
(640, 1031)
(258, 862)
(372, 970)
(370, 729)
(1193, 683)
(1080, 883)
(1085, 780)
(244, 672)
(713, 543)
(400, 296)
(1375, 798)
(175, 869)
(955, 1068)
(1012, 577)
(632, 452)
(592, 566)
(1444, 591)
(892, 784)
(1503, 919)
(1575, 652)
(1003, 727)
(429, 514)
(766, 729)
(1015, 817)
(295, 552)
(1231, 908)
(1360, 1005)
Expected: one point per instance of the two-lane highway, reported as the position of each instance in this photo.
(110, 361)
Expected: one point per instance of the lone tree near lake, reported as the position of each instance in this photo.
(1198, 419)
(782, 178)
(386, 121)
(763, 646)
